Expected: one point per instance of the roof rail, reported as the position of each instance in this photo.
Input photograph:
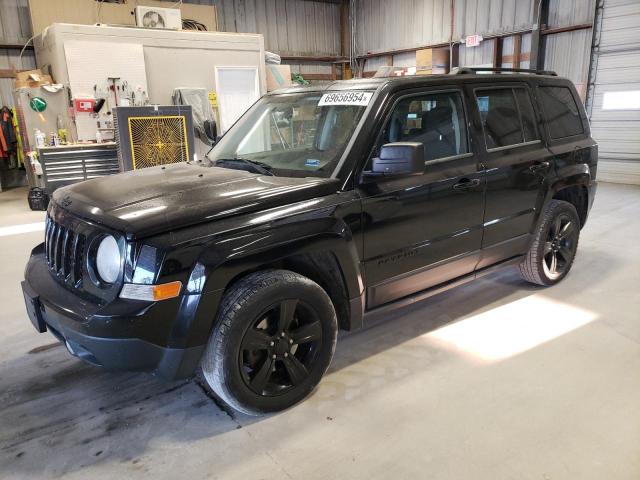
(471, 70)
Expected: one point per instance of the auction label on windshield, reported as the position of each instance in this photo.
(345, 98)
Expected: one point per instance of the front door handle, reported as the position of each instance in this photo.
(539, 166)
(466, 184)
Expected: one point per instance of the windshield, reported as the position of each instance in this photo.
(295, 135)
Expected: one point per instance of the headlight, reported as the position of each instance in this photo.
(108, 259)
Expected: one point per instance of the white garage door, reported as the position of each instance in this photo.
(615, 117)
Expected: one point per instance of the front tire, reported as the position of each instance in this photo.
(273, 340)
(555, 245)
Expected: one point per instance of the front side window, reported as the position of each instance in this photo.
(560, 112)
(295, 135)
(436, 120)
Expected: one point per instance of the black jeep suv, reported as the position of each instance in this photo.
(319, 206)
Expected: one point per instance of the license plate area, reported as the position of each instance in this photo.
(32, 302)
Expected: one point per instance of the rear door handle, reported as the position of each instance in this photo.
(466, 184)
(539, 166)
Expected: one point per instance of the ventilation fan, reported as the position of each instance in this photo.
(154, 17)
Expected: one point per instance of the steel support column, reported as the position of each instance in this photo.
(541, 15)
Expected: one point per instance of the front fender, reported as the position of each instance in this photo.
(249, 243)
(246, 253)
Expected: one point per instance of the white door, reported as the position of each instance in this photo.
(237, 89)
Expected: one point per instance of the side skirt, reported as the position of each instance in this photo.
(430, 292)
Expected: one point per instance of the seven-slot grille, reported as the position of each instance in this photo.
(64, 251)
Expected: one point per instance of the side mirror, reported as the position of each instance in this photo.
(211, 131)
(399, 158)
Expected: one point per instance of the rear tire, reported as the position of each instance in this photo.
(555, 245)
(273, 340)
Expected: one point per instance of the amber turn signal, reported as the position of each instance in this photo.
(151, 293)
(166, 290)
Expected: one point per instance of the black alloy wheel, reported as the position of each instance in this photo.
(554, 245)
(272, 342)
(280, 348)
(560, 246)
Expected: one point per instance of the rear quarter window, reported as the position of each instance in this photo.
(560, 112)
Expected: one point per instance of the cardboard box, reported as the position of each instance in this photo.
(432, 61)
(278, 76)
(424, 59)
(440, 60)
(32, 78)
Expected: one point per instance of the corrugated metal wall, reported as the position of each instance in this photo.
(487, 17)
(569, 53)
(386, 25)
(570, 12)
(383, 25)
(618, 70)
(390, 25)
(15, 28)
(291, 27)
(479, 56)
(306, 27)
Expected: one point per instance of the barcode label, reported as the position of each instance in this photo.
(345, 98)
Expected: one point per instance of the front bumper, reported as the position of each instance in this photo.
(114, 336)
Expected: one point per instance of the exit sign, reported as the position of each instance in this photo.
(473, 40)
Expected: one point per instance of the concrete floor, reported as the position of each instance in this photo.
(494, 380)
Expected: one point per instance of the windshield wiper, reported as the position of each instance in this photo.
(255, 166)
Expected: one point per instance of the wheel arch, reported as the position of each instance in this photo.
(578, 196)
(321, 267)
(330, 260)
(572, 187)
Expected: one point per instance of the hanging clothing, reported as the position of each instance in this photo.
(19, 145)
(8, 139)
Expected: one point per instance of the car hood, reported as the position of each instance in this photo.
(160, 199)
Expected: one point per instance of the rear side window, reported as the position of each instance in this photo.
(526, 114)
(507, 116)
(561, 112)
